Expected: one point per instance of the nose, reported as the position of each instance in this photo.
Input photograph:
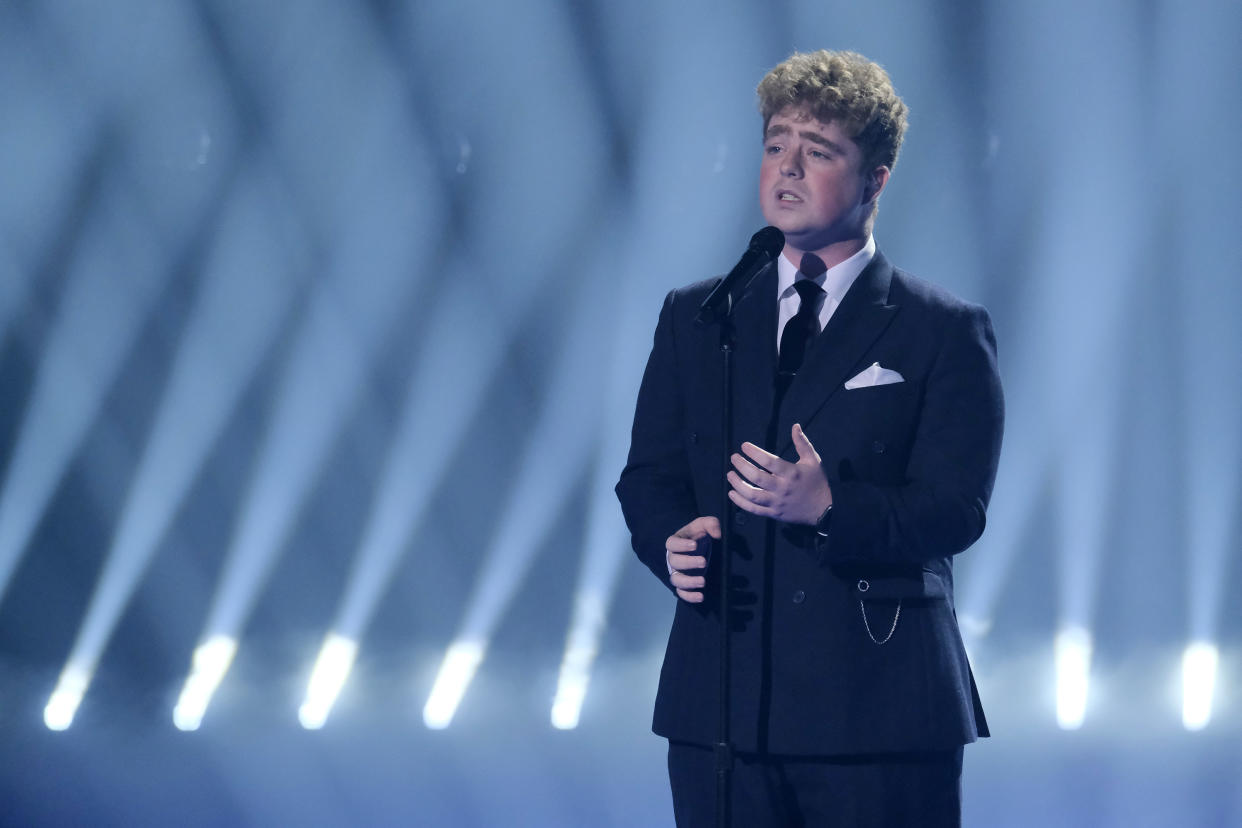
(790, 166)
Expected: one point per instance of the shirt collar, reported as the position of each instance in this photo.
(835, 282)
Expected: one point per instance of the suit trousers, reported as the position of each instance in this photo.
(892, 790)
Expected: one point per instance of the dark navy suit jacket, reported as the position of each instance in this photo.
(911, 466)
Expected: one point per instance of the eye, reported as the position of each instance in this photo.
(819, 154)
(772, 149)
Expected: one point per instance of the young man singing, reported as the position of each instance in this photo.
(867, 419)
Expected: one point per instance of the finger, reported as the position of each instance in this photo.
(685, 562)
(690, 597)
(749, 506)
(699, 527)
(689, 531)
(765, 459)
(683, 581)
(752, 493)
(676, 544)
(710, 525)
(802, 443)
(750, 471)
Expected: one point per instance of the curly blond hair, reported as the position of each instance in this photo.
(844, 87)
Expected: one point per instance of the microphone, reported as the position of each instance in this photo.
(765, 246)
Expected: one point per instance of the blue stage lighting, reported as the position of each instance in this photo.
(1199, 665)
(211, 662)
(1073, 676)
(336, 659)
(460, 663)
(114, 280)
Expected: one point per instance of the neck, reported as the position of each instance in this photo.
(831, 255)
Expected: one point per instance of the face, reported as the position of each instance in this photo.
(812, 186)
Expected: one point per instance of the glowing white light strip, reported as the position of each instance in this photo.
(336, 659)
(67, 697)
(460, 663)
(556, 450)
(580, 650)
(1073, 658)
(1199, 664)
(211, 661)
(323, 381)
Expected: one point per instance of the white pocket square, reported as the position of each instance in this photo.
(875, 375)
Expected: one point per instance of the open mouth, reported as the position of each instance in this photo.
(787, 197)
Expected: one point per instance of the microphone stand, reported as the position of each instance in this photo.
(724, 749)
(718, 308)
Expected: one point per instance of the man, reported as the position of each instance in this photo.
(862, 461)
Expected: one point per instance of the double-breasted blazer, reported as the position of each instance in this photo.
(844, 643)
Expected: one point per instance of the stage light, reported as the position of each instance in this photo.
(571, 688)
(556, 452)
(211, 662)
(430, 429)
(460, 663)
(336, 659)
(217, 356)
(321, 385)
(363, 277)
(606, 544)
(604, 549)
(67, 697)
(1199, 664)
(1073, 666)
(580, 651)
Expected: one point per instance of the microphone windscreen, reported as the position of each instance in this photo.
(770, 240)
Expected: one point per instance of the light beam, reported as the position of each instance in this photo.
(581, 648)
(1199, 663)
(456, 672)
(336, 659)
(211, 662)
(1073, 666)
(357, 301)
(67, 697)
(112, 285)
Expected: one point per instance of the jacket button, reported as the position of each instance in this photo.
(863, 586)
(694, 436)
(739, 518)
(878, 447)
(799, 596)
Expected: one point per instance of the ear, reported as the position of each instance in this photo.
(877, 179)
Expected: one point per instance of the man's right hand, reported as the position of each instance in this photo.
(681, 554)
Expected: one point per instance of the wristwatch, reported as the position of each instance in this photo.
(821, 525)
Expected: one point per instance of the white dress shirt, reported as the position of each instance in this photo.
(835, 282)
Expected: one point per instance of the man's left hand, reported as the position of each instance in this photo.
(764, 484)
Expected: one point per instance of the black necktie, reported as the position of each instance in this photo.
(798, 333)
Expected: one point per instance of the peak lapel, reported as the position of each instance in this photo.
(833, 356)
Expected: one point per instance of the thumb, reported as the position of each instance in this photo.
(711, 526)
(806, 451)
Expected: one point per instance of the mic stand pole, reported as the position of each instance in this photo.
(724, 749)
(718, 307)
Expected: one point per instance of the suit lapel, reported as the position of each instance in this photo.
(834, 354)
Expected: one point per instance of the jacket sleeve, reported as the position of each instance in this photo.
(656, 487)
(940, 507)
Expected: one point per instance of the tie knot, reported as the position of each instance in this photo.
(808, 292)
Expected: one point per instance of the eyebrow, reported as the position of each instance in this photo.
(809, 135)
